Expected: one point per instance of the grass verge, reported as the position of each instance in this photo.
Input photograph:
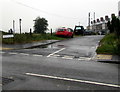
(27, 38)
(109, 45)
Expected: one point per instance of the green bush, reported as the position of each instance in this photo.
(118, 47)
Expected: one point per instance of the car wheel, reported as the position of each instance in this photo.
(72, 36)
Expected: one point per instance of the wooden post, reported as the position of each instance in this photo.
(51, 31)
(30, 31)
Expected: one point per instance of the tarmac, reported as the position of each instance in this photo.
(104, 58)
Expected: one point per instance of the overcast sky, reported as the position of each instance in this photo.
(59, 13)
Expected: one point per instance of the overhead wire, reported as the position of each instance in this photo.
(39, 10)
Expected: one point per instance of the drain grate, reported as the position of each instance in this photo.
(6, 80)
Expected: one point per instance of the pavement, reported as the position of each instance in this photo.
(27, 45)
(105, 58)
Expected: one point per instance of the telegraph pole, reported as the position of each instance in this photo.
(89, 20)
(79, 23)
(13, 26)
(51, 31)
(94, 15)
(94, 22)
(20, 24)
(13, 31)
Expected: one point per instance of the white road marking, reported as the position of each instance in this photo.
(67, 57)
(2, 52)
(96, 46)
(73, 80)
(93, 47)
(93, 58)
(38, 55)
(24, 54)
(84, 58)
(13, 53)
(56, 55)
(95, 54)
(55, 52)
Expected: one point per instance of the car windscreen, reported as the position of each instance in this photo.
(78, 28)
(87, 30)
(61, 29)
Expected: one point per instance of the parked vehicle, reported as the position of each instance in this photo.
(66, 32)
(89, 32)
(102, 32)
(79, 30)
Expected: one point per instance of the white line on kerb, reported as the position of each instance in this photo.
(55, 52)
(73, 80)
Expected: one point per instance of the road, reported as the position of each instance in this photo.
(66, 65)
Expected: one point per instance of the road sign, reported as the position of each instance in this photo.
(8, 36)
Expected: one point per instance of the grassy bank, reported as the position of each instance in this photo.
(109, 45)
(26, 38)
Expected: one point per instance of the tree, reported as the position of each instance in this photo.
(110, 27)
(114, 26)
(40, 25)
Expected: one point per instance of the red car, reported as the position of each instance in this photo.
(66, 32)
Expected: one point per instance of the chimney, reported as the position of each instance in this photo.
(98, 20)
(106, 18)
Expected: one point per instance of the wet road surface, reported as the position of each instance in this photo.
(68, 60)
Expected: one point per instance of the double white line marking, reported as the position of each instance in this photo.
(73, 80)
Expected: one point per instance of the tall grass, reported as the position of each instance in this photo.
(109, 45)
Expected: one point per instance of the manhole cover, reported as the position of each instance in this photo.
(6, 80)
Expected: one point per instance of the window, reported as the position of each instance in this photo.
(70, 30)
(78, 28)
(61, 29)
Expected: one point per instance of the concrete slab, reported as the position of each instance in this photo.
(2, 48)
(115, 59)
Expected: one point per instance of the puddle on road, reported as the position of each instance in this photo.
(45, 46)
(49, 46)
